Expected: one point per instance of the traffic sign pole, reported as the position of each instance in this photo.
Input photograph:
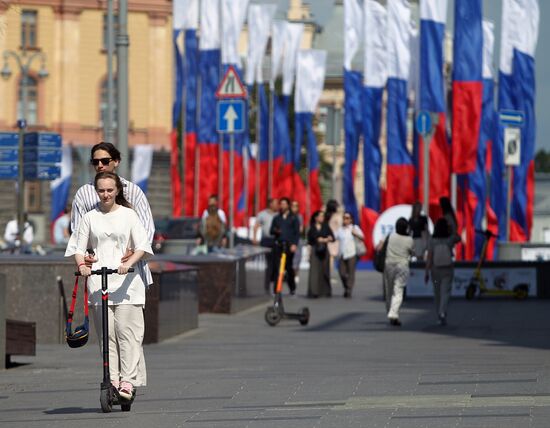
(425, 122)
(231, 188)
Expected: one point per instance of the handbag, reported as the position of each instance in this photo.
(379, 260)
(360, 247)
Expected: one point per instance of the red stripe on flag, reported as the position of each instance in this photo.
(175, 175)
(368, 220)
(315, 191)
(190, 147)
(208, 173)
(467, 101)
(399, 185)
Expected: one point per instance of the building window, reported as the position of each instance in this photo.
(29, 34)
(32, 101)
(115, 30)
(103, 103)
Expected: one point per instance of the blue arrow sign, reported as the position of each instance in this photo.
(230, 117)
(424, 123)
(511, 117)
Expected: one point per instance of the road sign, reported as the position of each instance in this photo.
(512, 144)
(9, 139)
(511, 117)
(423, 122)
(8, 171)
(230, 117)
(42, 140)
(231, 85)
(40, 155)
(37, 171)
(8, 154)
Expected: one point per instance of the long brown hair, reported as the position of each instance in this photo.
(119, 199)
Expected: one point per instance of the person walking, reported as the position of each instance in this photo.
(396, 268)
(295, 209)
(286, 230)
(319, 236)
(13, 239)
(440, 264)
(105, 157)
(418, 226)
(109, 229)
(267, 240)
(347, 258)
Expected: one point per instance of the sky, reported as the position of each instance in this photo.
(492, 10)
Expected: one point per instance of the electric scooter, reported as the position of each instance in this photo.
(109, 395)
(477, 282)
(274, 314)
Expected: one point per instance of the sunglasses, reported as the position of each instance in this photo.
(104, 161)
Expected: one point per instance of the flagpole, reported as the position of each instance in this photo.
(258, 150)
(270, 140)
(183, 126)
(197, 150)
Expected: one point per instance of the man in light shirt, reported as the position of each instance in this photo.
(347, 258)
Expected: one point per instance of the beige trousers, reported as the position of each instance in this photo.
(126, 329)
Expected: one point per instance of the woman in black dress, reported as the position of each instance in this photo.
(318, 236)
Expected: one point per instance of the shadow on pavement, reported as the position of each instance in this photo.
(72, 411)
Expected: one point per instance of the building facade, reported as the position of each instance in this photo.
(72, 99)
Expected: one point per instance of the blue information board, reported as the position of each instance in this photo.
(42, 140)
(8, 171)
(9, 139)
(37, 171)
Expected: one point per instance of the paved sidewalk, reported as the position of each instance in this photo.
(488, 368)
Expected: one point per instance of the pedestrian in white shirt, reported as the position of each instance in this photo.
(11, 235)
(347, 257)
(109, 230)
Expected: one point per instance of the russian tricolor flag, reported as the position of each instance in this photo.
(517, 92)
(375, 77)
(310, 79)
(476, 195)
(353, 102)
(290, 184)
(233, 17)
(467, 84)
(209, 70)
(141, 165)
(400, 167)
(190, 73)
(432, 98)
(178, 11)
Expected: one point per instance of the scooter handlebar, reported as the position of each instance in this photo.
(107, 271)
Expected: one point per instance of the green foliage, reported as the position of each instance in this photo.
(542, 161)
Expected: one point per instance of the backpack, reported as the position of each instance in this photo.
(442, 254)
(379, 260)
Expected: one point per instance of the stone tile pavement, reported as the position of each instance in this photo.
(348, 368)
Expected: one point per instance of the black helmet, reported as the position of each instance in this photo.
(80, 335)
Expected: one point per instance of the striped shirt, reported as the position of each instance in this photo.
(86, 199)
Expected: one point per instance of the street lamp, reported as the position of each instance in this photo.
(24, 63)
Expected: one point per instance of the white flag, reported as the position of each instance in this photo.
(190, 14)
(488, 49)
(233, 16)
(209, 25)
(376, 54)
(293, 39)
(278, 30)
(141, 165)
(399, 32)
(259, 25)
(353, 30)
(310, 79)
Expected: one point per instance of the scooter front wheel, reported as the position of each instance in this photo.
(304, 316)
(521, 291)
(272, 316)
(106, 401)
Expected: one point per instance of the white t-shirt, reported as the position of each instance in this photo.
(109, 234)
(347, 240)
